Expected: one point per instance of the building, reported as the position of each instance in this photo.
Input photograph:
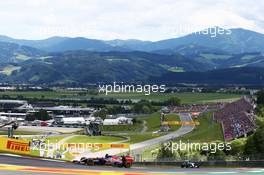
(118, 121)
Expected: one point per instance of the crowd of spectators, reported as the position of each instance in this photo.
(237, 118)
(198, 107)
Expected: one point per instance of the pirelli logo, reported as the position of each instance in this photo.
(17, 146)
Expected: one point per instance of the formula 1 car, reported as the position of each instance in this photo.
(189, 164)
(117, 161)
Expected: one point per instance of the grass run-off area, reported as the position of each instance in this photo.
(18, 133)
(153, 121)
(94, 139)
(136, 138)
(207, 131)
(83, 139)
(186, 97)
(136, 127)
(79, 139)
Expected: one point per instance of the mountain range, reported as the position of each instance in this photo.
(63, 60)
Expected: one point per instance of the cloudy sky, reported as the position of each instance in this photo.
(125, 19)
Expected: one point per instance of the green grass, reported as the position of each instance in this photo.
(136, 138)
(137, 127)
(94, 139)
(176, 69)
(17, 133)
(44, 57)
(9, 69)
(153, 122)
(215, 56)
(248, 57)
(55, 139)
(116, 59)
(172, 69)
(207, 131)
(39, 94)
(186, 97)
(50, 140)
(78, 139)
(22, 57)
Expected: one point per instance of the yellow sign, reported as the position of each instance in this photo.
(14, 146)
(180, 123)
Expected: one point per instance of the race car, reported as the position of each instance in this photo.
(118, 161)
(189, 164)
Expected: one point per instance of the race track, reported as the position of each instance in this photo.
(19, 165)
(184, 129)
(10, 165)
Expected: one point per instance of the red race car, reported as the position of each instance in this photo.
(118, 161)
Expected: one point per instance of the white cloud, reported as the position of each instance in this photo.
(124, 19)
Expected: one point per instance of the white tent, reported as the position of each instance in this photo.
(110, 122)
(73, 120)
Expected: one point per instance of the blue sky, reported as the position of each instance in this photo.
(125, 19)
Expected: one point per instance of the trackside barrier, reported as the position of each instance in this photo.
(14, 146)
(98, 145)
(59, 151)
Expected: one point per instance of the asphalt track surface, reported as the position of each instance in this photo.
(18, 165)
(184, 129)
(10, 165)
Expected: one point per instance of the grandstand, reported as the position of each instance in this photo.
(201, 108)
(237, 118)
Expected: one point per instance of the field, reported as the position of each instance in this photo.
(186, 97)
(94, 139)
(142, 130)
(137, 127)
(153, 122)
(136, 138)
(9, 69)
(18, 133)
(207, 131)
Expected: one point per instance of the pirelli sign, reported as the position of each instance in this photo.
(14, 146)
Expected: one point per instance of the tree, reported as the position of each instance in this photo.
(173, 101)
(42, 115)
(146, 110)
(102, 114)
(20, 97)
(260, 97)
(255, 143)
(250, 147)
(238, 147)
(30, 117)
(165, 152)
(144, 107)
(218, 155)
(115, 109)
(259, 139)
